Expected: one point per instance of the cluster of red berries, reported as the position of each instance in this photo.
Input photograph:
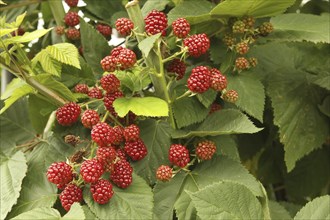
(119, 58)
(179, 157)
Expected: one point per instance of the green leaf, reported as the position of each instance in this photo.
(41, 213)
(135, 202)
(156, 136)
(2, 3)
(28, 36)
(136, 80)
(5, 31)
(19, 19)
(278, 212)
(248, 87)
(291, 208)
(325, 106)
(228, 121)
(226, 145)
(154, 4)
(64, 53)
(207, 97)
(95, 45)
(146, 106)
(255, 8)
(48, 64)
(301, 27)
(13, 169)
(322, 80)
(226, 199)
(15, 90)
(88, 213)
(148, 43)
(194, 111)
(76, 212)
(195, 11)
(316, 209)
(165, 195)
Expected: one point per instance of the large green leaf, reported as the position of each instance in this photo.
(134, 81)
(226, 200)
(301, 27)
(154, 4)
(28, 36)
(255, 8)
(315, 209)
(295, 100)
(13, 169)
(226, 145)
(148, 43)
(278, 212)
(48, 64)
(65, 53)
(94, 45)
(146, 106)
(228, 121)
(76, 213)
(156, 136)
(42, 213)
(134, 202)
(247, 87)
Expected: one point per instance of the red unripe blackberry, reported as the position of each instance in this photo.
(156, 22)
(116, 51)
(248, 21)
(126, 59)
(218, 81)
(229, 40)
(239, 27)
(122, 174)
(132, 133)
(118, 134)
(91, 170)
(71, 18)
(104, 29)
(121, 154)
(90, 118)
(205, 150)
(136, 150)
(81, 88)
(241, 63)
(72, 3)
(197, 44)
(242, 48)
(106, 155)
(101, 191)
(61, 186)
(214, 71)
(60, 30)
(181, 27)
(108, 100)
(200, 79)
(266, 28)
(109, 63)
(102, 134)
(110, 83)
(178, 155)
(215, 107)
(124, 26)
(253, 61)
(95, 93)
(59, 173)
(164, 173)
(178, 67)
(71, 194)
(230, 96)
(68, 114)
(72, 34)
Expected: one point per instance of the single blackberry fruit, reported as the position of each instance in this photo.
(60, 30)
(121, 175)
(218, 81)
(248, 21)
(72, 34)
(102, 134)
(242, 48)
(72, 3)
(132, 133)
(179, 155)
(178, 67)
(60, 173)
(71, 19)
(124, 26)
(104, 29)
(101, 191)
(200, 79)
(90, 118)
(229, 40)
(239, 27)
(241, 63)
(95, 93)
(109, 63)
(205, 150)
(108, 100)
(110, 83)
(126, 59)
(81, 88)
(230, 96)
(164, 173)
(215, 107)
(266, 28)
(71, 194)
(156, 22)
(253, 61)
(106, 155)
(197, 44)
(118, 135)
(136, 150)
(181, 27)
(91, 170)
(68, 114)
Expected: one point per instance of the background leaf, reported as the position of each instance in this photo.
(315, 209)
(41, 213)
(278, 212)
(76, 212)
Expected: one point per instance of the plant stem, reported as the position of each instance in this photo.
(173, 56)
